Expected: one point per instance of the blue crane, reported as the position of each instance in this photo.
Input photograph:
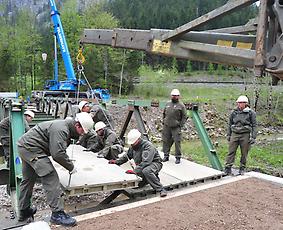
(56, 87)
(71, 83)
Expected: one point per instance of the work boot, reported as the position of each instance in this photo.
(242, 171)
(166, 158)
(61, 218)
(178, 160)
(228, 171)
(27, 213)
(163, 193)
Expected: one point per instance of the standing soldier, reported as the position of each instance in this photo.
(147, 159)
(241, 132)
(174, 118)
(50, 138)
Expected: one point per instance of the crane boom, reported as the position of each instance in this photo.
(71, 83)
(233, 46)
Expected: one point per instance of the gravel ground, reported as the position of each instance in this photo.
(245, 204)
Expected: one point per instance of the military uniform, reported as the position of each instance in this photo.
(148, 163)
(87, 139)
(100, 114)
(241, 132)
(107, 145)
(174, 118)
(50, 138)
(5, 136)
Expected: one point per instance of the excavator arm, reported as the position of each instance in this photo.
(262, 51)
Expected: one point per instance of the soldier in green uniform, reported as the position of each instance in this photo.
(241, 132)
(5, 132)
(100, 114)
(105, 143)
(50, 138)
(147, 159)
(174, 118)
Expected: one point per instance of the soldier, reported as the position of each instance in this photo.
(100, 114)
(147, 159)
(50, 138)
(241, 132)
(174, 118)
(5, 132)
(106, 142)
(84, 106)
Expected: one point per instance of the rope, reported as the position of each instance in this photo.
(80, 60)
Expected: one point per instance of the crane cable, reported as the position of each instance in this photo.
(80, 60)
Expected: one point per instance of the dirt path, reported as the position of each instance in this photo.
(245, 204)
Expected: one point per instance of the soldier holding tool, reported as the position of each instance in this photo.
(50, 138)
(147, 159)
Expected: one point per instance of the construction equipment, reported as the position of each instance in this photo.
(232, 46)
(72, 85)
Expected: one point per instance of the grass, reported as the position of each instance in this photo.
(263, 157)
(267, 157)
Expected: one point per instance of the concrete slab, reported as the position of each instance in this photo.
(186, 171)
(94, 174)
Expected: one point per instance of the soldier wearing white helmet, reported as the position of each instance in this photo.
(106, 143)
(174, 118)
(49, 138)
(241, 132)
(5, 132)
(84, 106)
(147, 159)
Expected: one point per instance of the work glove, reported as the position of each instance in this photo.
(73, 171)
(112, 162)
(228, 138)
(130, 171)
(251, 141)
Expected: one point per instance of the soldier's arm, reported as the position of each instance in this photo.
(229, 130)
(123, 159)
(183, 116)
(58, 146)
(253, 124)
(147, 157)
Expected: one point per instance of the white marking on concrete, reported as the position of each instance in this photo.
(266, 177)
(170, 195)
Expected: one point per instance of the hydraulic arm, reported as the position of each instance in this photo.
(263, 50)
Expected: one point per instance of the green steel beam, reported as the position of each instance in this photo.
(16, 131)
(205, 140)
(193, 113)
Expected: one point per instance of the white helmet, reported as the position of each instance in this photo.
(82, 104)
(99, 125)
(243, 99)
(175, 92)
(85, 120)
(30, 113)
(133, 136)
